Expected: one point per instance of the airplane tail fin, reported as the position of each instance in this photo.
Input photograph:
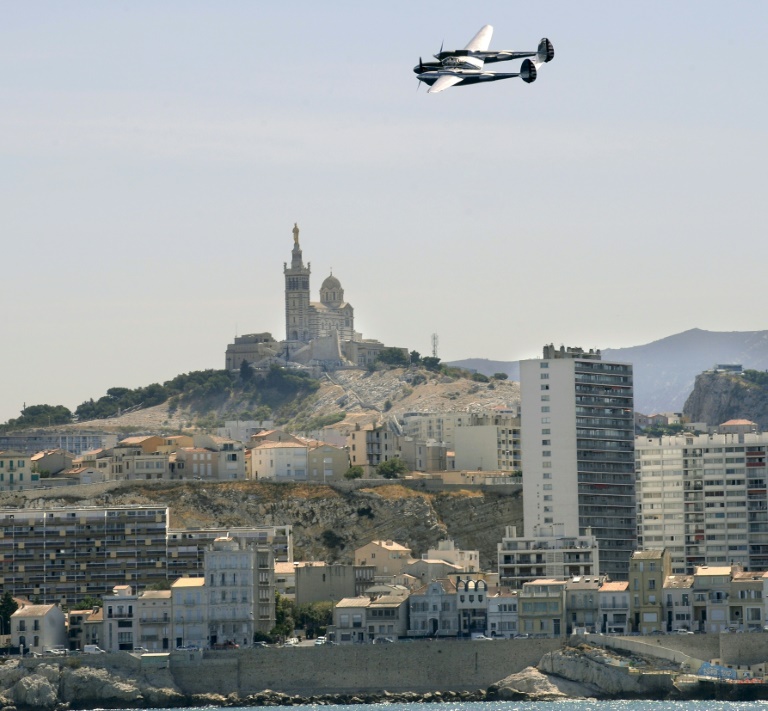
(546, 52)
(528, 71)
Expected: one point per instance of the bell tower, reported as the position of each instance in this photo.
(296, 294)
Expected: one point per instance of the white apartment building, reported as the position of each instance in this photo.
(578, 450)
(279, 461)
(704, 498)
(548, 553)
(230, 570)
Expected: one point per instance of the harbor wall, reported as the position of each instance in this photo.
(399, 667)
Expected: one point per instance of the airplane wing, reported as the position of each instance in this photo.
(443, 82)
(482, 40)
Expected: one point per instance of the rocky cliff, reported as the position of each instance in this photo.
(719, 397)
(415, 518)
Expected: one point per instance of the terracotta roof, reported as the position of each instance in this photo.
(615, 586)
(284, 568)
(648, 555)
(279, 445)
(713, 570)
(737, 422)
(354, 602)
(188, 583)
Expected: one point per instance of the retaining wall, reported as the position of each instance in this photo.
(399, 667)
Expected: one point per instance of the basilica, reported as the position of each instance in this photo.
(317, 333)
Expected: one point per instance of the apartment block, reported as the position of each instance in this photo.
(65, 554)
(577, 439)
(704, 498)
(549, 553)
(371, 445)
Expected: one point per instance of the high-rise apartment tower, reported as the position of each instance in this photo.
(577, 438)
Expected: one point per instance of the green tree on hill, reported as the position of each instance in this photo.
(392, 468)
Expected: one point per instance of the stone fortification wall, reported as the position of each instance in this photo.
(399, 667)
(676, 648)
(743, 649)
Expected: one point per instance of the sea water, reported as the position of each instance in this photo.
(535, 706)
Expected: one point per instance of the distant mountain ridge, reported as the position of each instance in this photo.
(665, 370)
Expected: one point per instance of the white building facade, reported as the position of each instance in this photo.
(577, 439)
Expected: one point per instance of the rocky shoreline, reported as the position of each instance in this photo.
(582, 672)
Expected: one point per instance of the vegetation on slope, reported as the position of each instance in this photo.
(278, 393)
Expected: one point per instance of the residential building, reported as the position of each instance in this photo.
(64, 554)
(35, 628)
(433, 610)
(370, 445)
(613, 603)
(189, 601)
(583, 603)
(16, 471)
(471, 606)
(711, 589)
(423, 455)
(279, 461)
(186, 547)
(155, 613)
(317, 581)
(75, 442)
(52, 461)
(549, 553)
(490, 442)
(75, 627)
(467, 560)
(326, 462)
(502, 614)
(386, 557)
(542, 608)
(678, 602)
(745, 601)
(374, 617)
(285, 580)
(93, 627)
(577, 439)
(121, 620)
(230, 570)
(647, 572)
(704, 498)
(427, 569)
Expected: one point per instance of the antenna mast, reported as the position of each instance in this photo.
(435, 341)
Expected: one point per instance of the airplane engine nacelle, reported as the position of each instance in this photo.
(528, 71)
(546, 51)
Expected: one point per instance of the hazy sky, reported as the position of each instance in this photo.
(155, 155)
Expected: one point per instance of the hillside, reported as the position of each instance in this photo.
(361, 396)
(415, 518)
(665, 370)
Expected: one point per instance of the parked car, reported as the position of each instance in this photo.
(140, 650)
(320, 641)
(93, 649)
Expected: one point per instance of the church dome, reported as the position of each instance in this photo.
(331, 293)
(331, 282)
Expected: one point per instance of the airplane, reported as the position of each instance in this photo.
(465, 66)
